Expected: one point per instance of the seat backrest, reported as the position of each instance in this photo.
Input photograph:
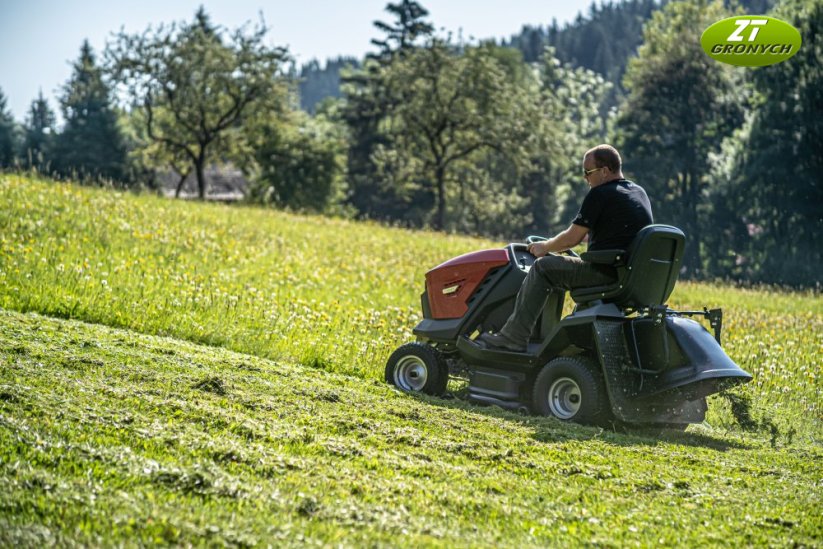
(649, 276)
(655, 258)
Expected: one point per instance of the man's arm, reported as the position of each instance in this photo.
(565, 240)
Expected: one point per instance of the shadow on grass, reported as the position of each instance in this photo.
(551, 430)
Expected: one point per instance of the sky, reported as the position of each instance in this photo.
(39, 39)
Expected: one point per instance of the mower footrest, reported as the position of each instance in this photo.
(495, 384)
(479, 355)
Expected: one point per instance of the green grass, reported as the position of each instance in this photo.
(107, 436)
(111, 435)
(310, 289)
(323, 292)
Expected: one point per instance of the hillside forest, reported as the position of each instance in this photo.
(478, 137)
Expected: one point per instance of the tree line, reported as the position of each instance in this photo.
(602, 40)
(474, 137)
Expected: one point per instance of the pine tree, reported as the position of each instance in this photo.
(367, 106)
(38, 142)
(91, 144)
(8, 135)
(603, 40)
(407, 29)
(319, 83)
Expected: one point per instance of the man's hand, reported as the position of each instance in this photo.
(565, 240)
(539, 249)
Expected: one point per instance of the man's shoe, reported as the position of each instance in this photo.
(499, 341)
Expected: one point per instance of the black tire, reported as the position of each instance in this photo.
(418, 368)
(572, 389)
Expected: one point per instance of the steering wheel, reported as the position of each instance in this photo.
(532, 239)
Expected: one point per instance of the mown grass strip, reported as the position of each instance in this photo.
(110, 437)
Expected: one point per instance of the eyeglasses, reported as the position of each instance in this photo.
(587, 173)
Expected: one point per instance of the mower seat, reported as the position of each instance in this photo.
(646, 272)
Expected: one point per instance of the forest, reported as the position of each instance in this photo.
(476, 137)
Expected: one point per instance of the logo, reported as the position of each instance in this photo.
(751, 41)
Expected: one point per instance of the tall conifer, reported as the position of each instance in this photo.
(7, 135)
(91, 145)
(39, 135)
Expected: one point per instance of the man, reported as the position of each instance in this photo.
(612, 213)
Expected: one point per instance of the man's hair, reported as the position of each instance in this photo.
(605, 156)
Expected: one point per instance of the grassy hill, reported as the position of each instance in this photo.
(107, 436)
(111, 435)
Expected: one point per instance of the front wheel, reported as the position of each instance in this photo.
(572, 389)
(418, 368)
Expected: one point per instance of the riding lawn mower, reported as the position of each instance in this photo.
(622, 355)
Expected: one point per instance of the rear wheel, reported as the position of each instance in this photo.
(418, 368)
(572, 389)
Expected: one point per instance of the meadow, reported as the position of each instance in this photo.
(328, 293)
(231, 372)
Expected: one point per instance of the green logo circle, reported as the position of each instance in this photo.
(751, 41)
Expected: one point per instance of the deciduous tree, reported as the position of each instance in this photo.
(298, 161)
(448, 106)
(196, 83)
(571, 123)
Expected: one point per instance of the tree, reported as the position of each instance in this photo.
(299, 161)
(196, 85)
(8, 135)
(38, 140)
(319, 83)
(91, 144)
(447, 108)
(405, 33)
(681, 105)
(148, 159)
(768, 182)
(367, 107)
(591, 41)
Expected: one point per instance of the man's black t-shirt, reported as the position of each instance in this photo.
(614, 213)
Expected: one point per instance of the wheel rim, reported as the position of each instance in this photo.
(564, 398)
(411, 373)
